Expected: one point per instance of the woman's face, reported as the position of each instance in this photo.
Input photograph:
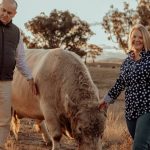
(137, 40)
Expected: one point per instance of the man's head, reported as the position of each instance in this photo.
(7, 10)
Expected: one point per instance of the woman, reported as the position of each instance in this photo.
(134, 78)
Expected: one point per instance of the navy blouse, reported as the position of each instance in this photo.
(134, 78)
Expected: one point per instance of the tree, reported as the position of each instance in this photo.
(93, 51)
(60, 29)
(117, 23)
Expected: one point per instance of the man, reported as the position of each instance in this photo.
(11, 55)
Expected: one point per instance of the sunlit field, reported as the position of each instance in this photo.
(115, 137)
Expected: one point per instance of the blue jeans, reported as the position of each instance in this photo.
(139, 130)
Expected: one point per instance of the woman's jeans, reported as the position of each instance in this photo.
(5, 111)
(139, 129)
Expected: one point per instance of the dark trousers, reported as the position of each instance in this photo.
(139, 129)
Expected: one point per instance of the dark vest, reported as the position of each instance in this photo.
(9, 39)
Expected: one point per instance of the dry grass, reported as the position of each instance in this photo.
(116, 136)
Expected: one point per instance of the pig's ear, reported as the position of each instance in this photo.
(68, 104)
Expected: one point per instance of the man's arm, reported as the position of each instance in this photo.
(21, 62)
(23, 67)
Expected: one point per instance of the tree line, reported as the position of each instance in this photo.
(64, 29)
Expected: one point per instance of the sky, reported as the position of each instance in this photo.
(88, 10)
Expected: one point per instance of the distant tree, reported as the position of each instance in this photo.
(92, 51)
(117, 23)
(59, 29)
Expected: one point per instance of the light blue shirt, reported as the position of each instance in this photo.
(21, 64)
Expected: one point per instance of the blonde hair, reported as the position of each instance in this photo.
(145, 34)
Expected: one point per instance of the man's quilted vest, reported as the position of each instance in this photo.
(9, 39)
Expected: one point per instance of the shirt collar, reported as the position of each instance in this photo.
(6, 25)
(143, 53)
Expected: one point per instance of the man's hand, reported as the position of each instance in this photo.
(33, 86)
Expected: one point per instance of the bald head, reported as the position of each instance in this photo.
(13, 2)
(7, 10)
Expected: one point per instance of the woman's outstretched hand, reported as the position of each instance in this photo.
(103, 105)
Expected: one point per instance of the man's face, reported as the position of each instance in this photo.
(7, 11)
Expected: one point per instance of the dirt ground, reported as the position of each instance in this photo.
(29, 139)
(103, 76)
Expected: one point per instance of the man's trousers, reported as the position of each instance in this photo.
(5, 111)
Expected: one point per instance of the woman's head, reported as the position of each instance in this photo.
(139, 38)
